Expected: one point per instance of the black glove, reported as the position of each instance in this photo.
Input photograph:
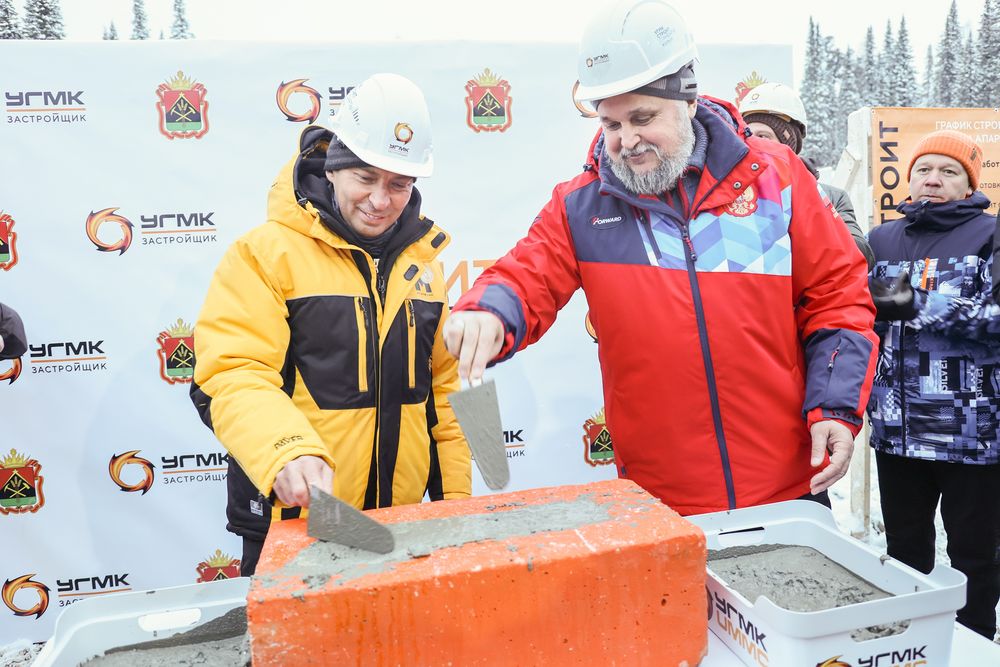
(895, 299)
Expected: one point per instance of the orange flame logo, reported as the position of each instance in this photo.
(12, 586)
(584, 111)
(12, 373)
(403, 132)
(286, 90)
(119, 461)
(589, 326)
(833, 662)
(94, 222)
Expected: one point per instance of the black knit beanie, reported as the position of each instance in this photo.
(339, 156)
(681, 85)
(788, 133)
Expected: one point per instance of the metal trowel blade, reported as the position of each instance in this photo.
(332, 520)
(478, 413)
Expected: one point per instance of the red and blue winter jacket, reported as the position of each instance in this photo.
(722, 334)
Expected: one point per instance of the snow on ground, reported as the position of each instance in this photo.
(18, 654)
(840, 498)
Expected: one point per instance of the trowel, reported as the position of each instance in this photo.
(332, 520)
(478, 414)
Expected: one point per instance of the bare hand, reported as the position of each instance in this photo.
(293, 482)
(474, 338)
(836, 438)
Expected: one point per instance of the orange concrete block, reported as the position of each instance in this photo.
(595, 574)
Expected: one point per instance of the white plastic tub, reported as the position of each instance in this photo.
(763, 634)
(92, 626)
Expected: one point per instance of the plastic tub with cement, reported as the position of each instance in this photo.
(762, 633)
(170, 618)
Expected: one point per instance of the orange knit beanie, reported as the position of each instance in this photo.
(955, 145)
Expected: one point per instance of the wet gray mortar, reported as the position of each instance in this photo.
(797, 578)
(221, 642)
(224, 642)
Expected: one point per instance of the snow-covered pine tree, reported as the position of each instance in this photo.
(140, 24)
(987, 87)
(869, 82)
(818, 96)
(886, 67)
(43, 20)
(111, 32)
(949, 60)
(968, 86)
(904, 74)
(850, 72)
(927, 88)
(10, 26)
(180, 29)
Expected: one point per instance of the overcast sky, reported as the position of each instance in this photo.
(715, 21)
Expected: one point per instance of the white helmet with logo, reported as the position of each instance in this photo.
(777, 99)
(628, 44)
(385, 122)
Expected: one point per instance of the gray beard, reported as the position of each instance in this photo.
(664, 176)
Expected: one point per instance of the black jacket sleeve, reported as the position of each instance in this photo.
(12, 331)
(996, 262)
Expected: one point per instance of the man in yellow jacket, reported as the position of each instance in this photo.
(319, 353)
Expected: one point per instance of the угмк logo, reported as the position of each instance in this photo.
(298, 87)
(45, 106)
(68, 357)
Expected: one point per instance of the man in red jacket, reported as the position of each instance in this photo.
(732, 312)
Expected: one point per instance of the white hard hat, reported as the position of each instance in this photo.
(628, 44)
(777, 99)
(385, 122)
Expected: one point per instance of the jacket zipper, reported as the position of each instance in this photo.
(706, 355)
(411, 343)
(362, 317)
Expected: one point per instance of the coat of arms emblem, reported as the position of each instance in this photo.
(598, 450)
(177, 353)
(218, 566)
(8, 242)
(183, 108)
(488, 103)
(20, 484)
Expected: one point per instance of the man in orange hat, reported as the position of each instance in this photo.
(935, 403)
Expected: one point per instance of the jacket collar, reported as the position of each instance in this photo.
(942, 217)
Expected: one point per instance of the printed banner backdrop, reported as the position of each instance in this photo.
(128, 168)
(896, 130)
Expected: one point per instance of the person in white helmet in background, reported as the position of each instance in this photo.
(775, 112)
(732, 314)
(319, 352)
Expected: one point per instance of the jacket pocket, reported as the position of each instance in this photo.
(333, 347)
(411, 345)
(359, 311)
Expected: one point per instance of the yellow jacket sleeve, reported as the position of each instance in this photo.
(241, 344)
(453, 451)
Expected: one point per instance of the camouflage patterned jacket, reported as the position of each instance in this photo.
(936, 393)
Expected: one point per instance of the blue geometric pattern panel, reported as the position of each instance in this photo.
(755, 242)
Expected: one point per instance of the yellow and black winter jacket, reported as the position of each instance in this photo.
(304, 348)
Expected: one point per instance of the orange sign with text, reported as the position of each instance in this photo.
(896, 130)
